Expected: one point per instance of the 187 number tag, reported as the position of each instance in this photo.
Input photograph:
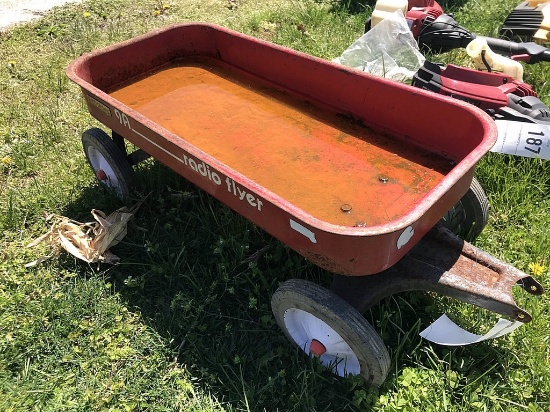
(531, 142)
(523, 139)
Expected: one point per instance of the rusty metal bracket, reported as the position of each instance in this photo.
(443, 263)
(137, 156)
(119, 141)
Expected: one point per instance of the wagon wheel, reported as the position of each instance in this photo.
(324, 325)
(469, 215)
(108, 162)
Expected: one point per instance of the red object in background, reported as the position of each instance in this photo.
(486, 90)
(418, 11)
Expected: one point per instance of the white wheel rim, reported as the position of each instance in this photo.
(99, 163)
(339, 357)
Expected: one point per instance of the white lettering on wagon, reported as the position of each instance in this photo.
(201, 168)
(232, 187)
(123, 119)
(242, 194)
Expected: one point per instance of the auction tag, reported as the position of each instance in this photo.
(522, 139)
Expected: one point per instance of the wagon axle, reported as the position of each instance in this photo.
(316, 348)
(101, 175)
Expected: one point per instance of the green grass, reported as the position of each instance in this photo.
(184, 322)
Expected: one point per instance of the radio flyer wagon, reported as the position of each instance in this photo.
(331, 161)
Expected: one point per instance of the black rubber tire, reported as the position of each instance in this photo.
(353, 328)
(469, 216)
(103, 154)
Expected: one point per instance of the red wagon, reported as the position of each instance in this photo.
(331, 161)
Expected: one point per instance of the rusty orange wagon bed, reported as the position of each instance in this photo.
(342, 166)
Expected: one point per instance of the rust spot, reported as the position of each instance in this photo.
(326, 263)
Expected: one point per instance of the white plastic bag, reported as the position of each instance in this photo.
(387, 50)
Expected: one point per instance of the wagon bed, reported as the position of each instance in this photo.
(331, 166)
(348, 169)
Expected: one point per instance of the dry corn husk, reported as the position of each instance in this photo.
(91, 241)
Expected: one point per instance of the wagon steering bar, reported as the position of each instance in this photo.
(444, 263)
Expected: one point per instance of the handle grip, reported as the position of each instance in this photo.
(534, 51)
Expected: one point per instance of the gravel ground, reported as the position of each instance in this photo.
(19, 11)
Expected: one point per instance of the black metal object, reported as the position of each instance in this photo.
(443, 263)
(524, 21)
(137, 156)
(528, 109)
(119, 141)
(444, 34)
